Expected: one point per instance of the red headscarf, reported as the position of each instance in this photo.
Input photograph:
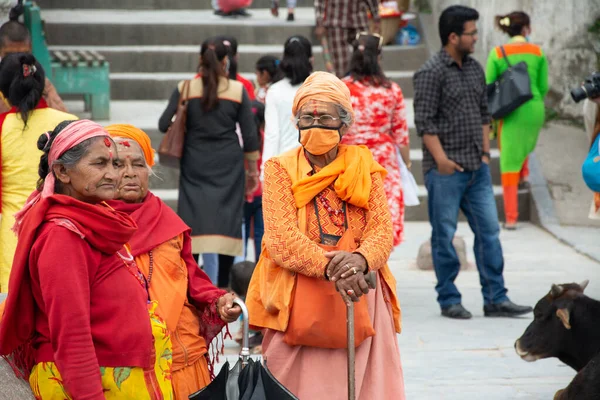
(103, 228)
(75, 133)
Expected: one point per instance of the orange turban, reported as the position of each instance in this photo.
(136, 134)
(324, 87)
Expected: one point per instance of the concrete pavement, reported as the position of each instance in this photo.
(561, 197)
(475, 359)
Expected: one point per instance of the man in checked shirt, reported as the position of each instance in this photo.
(452, 118)
(340, 21)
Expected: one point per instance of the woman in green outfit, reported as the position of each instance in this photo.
(518, 132)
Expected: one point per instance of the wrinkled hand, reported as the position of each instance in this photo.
(352, 288)
(228, 311)
(448, 167)
(341, 264)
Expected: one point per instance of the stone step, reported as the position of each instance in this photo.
(178, 27)
(155, 4)
(416, 213)
(145, 59)
(159, 86)
(145, 115)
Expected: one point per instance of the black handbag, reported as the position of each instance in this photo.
(510, 91)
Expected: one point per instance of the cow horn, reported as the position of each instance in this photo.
(584, 284)
(556, 290)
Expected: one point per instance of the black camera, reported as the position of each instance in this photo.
(590, 88)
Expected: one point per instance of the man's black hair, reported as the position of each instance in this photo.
(453, 20)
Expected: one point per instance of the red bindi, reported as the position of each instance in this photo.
(126, 143)
(107, 142)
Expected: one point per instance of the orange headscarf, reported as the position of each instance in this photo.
(136, 134)
(324, 87)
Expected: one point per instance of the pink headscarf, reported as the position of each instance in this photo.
(75, 133)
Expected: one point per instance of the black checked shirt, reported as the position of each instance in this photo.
(347, 14)
(451, 102)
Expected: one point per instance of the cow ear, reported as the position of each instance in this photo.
(564, 315)
(556, 290)
(584, 284)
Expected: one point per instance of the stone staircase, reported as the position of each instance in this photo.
(152, 44)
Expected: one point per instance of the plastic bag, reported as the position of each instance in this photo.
(408, 36)
(410, 188)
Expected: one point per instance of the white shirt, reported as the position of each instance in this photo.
(281, 134)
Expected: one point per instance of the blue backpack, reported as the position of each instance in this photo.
(591, 167)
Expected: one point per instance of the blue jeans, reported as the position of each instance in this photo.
(253, 212)
(472, 193)
(210, 265)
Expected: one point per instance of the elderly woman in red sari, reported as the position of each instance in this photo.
(327, 226)
(77, 320)
(194, 309)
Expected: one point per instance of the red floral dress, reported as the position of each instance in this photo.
(380, 124)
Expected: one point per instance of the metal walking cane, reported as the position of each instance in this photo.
(245, 352)
(351, 351)
(371, 279)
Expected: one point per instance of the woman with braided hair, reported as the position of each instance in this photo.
(22, 83)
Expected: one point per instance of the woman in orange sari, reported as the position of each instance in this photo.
(327, 227)
(194, 310)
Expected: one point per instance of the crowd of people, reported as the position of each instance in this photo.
(307, 164)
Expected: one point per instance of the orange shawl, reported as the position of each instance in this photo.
(350, 174)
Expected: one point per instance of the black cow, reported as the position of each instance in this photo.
(585, 385)
(566, 325)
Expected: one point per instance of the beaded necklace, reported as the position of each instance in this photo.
(133, 269)
(334, 215)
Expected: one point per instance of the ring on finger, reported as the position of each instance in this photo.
(350, 292)
(346, 266)
(354, 270)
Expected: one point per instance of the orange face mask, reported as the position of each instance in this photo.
(319, 140)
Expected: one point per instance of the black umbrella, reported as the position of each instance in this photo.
(247, 380)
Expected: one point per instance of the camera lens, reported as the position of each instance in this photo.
(579, 94)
